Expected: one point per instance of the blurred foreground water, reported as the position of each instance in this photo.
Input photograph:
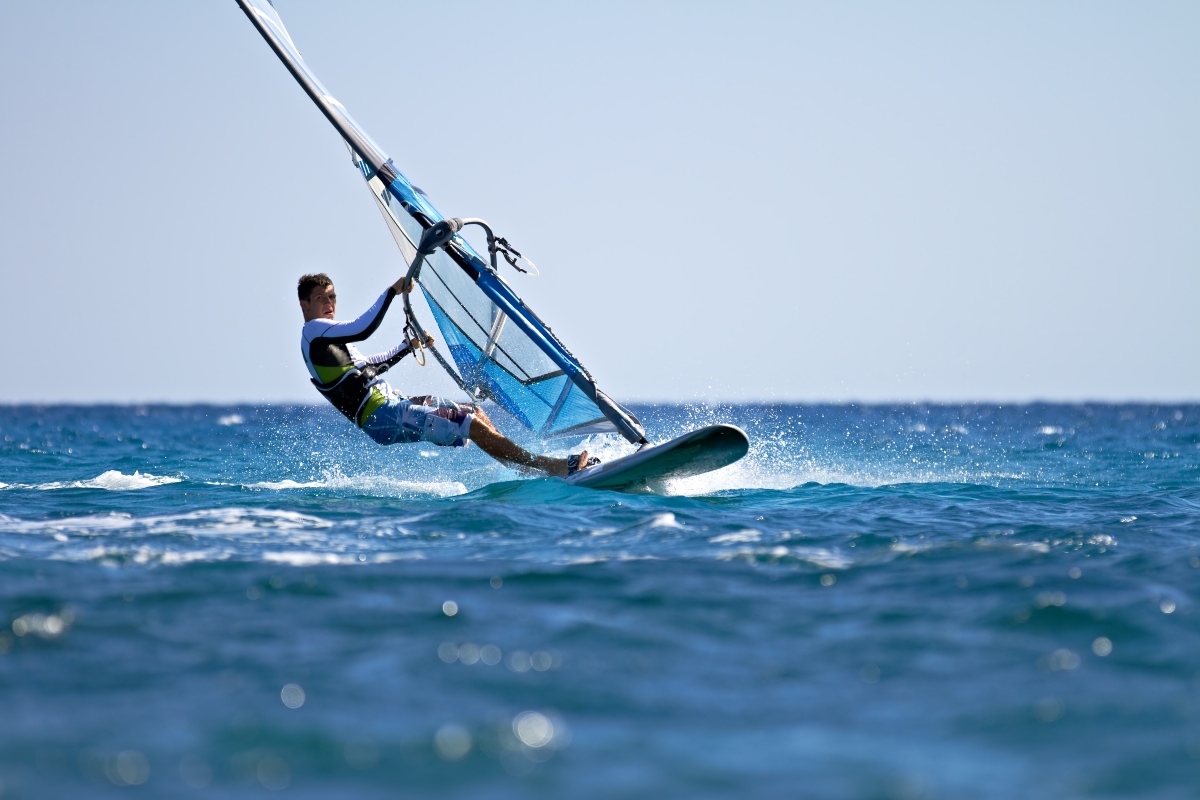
(882, 601)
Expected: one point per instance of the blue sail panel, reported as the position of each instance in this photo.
(575, 414)
(495, 383)
(561, 408)
(500, 350)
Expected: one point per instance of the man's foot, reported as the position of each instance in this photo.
(581, 461)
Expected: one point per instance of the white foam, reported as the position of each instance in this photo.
(816, 556)
(367, 484)
(821, 557)
(756, 471)
(284, 484)
(388, 558)
(112, 555)
(780, 460)
(211, 535)
(232, 419)
(762, 468)
(585, 560)
(95, 523)
(911, 548)
(229, 521)
(207, 536)
(308, 559)
(175, 557)
(113, 481)
(238, 520)
(737, 537)
(771, 464)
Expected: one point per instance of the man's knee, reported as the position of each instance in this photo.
(481, 427)
(484, 421)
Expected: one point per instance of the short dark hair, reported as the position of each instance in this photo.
(309, 282)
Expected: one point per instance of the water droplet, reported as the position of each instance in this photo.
(468, 653)
(292, 695)
(533, 729)
(1062, 659)
(274, 773)
(127, 768)
(1049, 709)
(452, 742)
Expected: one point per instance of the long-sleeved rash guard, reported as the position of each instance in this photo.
(346, 377)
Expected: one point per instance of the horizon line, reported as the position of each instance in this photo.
(694, 402)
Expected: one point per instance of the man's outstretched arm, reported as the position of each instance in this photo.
(368, 322)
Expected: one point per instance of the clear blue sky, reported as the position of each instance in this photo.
(809, 201)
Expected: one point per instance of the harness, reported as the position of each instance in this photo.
(350, 393)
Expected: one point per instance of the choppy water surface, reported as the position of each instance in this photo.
(893, 602)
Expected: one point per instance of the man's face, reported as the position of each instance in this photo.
(321, 304)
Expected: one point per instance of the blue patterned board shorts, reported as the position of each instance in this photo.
(403, 420)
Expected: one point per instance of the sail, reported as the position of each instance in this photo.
(499, 349)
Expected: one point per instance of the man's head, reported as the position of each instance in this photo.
(317, 298)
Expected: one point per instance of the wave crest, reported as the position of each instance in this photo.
(366, 484)
(112, 481)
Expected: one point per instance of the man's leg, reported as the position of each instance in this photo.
(499, 447)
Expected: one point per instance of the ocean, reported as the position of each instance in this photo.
(879, 601)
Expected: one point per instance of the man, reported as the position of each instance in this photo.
(351, 382)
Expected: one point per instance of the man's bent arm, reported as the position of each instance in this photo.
(390, 358)
(363, 326)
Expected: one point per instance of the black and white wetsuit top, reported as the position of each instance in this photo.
(346, 377)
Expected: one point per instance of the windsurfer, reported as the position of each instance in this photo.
(352, 383)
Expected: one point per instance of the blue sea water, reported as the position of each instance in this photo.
(909, 601)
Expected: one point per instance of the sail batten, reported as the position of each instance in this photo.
(499, 349)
